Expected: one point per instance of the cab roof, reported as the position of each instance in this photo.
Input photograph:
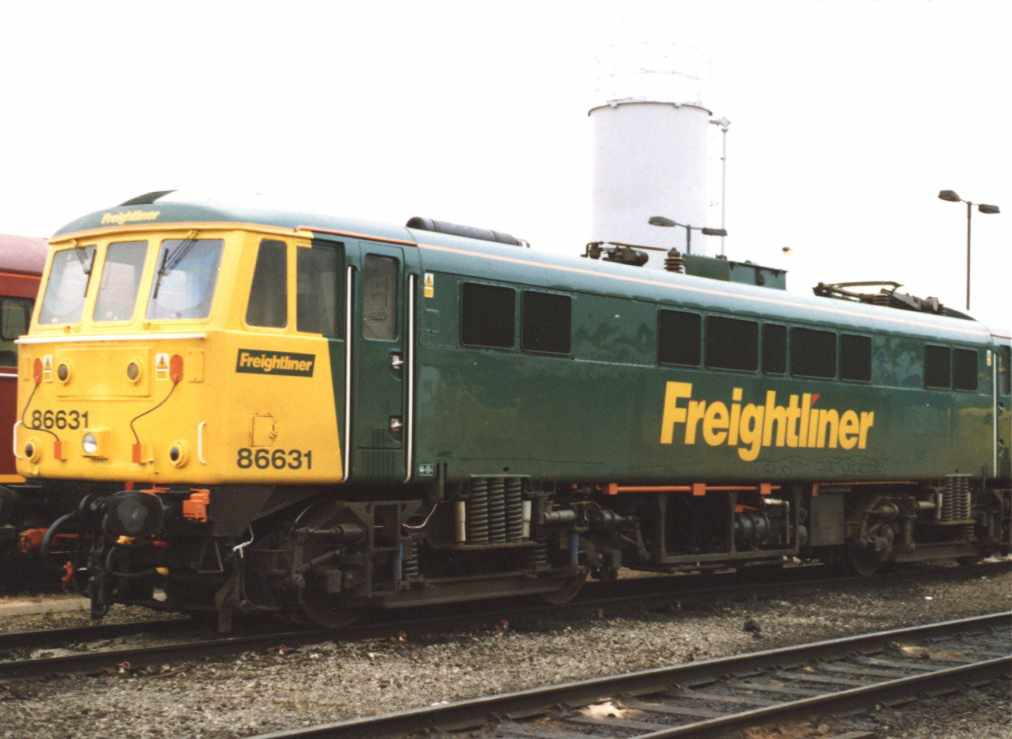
(169, 206)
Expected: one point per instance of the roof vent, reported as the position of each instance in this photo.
(147, 198)
(470, 232)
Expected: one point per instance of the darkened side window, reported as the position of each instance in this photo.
(678, 337)
(488, 315)
(855, 358)
(268, 297)
(813, 353)
(937, 367)
(732, 344)
(1005, 370)
(964, 369)
(547, 322)
(16, 314)
(319, 303)
(774, 349)
(379, 297)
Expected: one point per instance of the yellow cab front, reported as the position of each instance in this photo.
(164, 355)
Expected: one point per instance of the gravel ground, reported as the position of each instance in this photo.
(281, 688)
(67, 619)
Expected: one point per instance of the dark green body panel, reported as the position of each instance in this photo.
(596, 415)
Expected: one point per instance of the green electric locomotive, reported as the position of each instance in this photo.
(307, 415)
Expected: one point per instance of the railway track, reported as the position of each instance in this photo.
(720, 695)
(193, 643)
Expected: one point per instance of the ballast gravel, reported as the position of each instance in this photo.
(269, 690)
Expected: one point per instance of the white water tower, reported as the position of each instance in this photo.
(650, 150)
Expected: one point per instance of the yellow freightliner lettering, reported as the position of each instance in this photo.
(752, 427)
(129, 216)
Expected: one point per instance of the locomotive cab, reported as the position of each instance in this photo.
(151, 351)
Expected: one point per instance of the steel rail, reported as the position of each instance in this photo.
(633, 592)
(60, 637)
(488, 711)
(386, 627)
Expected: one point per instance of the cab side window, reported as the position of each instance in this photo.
(16, 314)
(268, 298)
(320, 309)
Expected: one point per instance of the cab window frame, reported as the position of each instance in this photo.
(677, 313)
(138, 290)
(340, 286)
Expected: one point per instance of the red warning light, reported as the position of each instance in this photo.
(37, 371)
(176, 369)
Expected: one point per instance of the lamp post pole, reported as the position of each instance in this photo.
(986, 208)
(723, 124)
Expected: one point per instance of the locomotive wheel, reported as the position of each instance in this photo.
(863, 561)
(571, 587)
(318, 606)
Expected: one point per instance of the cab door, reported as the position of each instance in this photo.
(380, 423)
(1003, 408)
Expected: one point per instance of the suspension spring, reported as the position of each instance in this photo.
(409, 565)
(497, 510)
(514, 509)
(537, 556)
(477, 512)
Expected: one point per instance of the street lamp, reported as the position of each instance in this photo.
(668, 223)
(950, 196)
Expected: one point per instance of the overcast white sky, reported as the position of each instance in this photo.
(847, 118)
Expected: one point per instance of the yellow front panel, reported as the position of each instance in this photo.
(251, 405)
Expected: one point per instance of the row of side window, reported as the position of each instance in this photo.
(946, 368)
(733, 344)
(488, 319)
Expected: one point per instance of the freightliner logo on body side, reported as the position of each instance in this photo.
(261, 362)
(752, 427)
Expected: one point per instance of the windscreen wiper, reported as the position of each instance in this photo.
(170, 258)
(86, 264)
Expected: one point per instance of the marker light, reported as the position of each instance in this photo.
(89, 443)
(63, 372)
(133, 372)
(31, 451)
(176, 369)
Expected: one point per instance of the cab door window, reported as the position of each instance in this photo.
(319, 309)
(379, 295)
(268, 297)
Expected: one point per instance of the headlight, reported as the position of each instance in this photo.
(178, 456)
(32, 451)
(89, 443)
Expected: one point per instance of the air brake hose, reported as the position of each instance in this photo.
(47, 538)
